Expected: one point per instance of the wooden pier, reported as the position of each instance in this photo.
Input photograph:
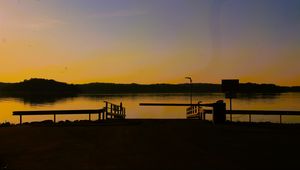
(196, 111)
(114, 111)
(110, 111)
(177, 104)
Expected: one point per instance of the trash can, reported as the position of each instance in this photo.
(219, 112)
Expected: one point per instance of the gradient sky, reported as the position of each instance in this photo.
(150, 41)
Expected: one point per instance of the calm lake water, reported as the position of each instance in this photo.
(283, 101)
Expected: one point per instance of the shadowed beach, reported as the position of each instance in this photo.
(149, 144)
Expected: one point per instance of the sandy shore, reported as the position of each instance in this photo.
(150, 144)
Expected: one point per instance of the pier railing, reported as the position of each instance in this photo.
(219, 111)
(114, 111)
(195, 112)
(59, 112)
(250, 113)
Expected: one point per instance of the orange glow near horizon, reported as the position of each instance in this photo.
(152, 42)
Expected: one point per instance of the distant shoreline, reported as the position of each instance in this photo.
(51, 87)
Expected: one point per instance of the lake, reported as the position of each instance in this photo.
(278, 101)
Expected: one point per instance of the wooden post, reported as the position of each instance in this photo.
(106, 111)
(103, 114)
(124, 112)
(89, 117)
(230, 99)
(200, 114)
(199, 111)
(121, 111)
(54, 118)
(111, 108)
(20, 119)
(280, 118)
(250, 117)
(115, 110)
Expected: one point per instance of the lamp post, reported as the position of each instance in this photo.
(190, 78)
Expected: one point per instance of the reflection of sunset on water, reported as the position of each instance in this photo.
(284, 101)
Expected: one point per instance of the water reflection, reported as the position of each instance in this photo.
(284, 101)
(36, 100)
(254, 96)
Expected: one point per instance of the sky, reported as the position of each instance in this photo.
(150, 41)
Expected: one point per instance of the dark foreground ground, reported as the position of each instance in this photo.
(150, 144)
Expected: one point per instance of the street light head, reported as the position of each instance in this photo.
(190, 78)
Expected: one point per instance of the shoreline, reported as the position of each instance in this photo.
(150, 144)
(50, 122)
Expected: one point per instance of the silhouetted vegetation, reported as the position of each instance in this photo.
(151, 88)
(181, 88)
(5, 124)
(38, 91)
(44, 87)
(260, 88)
(38, 87)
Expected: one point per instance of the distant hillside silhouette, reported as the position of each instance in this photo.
(36, 86)
(181, 88)
(151, 88)
(260, 88)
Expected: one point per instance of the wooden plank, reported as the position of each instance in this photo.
(176, 104)
(263, 112)
(115, 114)
(258, 112)
(280, 119)
(207, 111)
(58, 112)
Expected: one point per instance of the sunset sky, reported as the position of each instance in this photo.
(150, 41)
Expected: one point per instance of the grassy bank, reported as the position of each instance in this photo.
(149, 144)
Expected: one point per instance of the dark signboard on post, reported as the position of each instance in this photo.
(230, 87)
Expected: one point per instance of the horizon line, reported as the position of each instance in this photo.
(149, 83)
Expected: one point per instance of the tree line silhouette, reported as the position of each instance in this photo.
(36, 86)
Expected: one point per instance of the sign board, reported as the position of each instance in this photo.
(230, 87)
